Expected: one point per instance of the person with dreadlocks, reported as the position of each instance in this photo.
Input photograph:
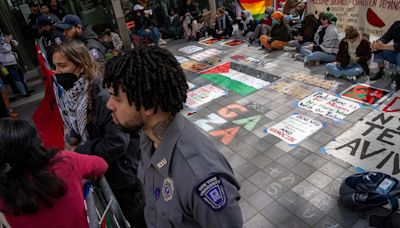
(187, 181)
(89, 128)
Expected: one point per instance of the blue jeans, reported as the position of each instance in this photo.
(316, 56)
(353, 69)
(153, 33)
(297, 44)
(392, 57)
(16, 76)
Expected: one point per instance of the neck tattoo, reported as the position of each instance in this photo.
(160, 128)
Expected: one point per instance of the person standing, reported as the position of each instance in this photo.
(57, 9)
(46, 11)
(187, 181)
(35, 12)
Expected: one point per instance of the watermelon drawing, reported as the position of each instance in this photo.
(374, 20)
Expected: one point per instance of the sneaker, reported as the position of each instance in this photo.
(289, 49)
(299, 57)
(162, 42)
(327, 75)
(377, 76)
(351, 78)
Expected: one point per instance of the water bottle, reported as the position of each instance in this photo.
(393, 88)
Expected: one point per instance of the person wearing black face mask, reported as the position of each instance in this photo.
(89, 125)
(51, 36)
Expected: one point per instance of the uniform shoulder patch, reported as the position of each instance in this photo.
(212, 192)
(94, 53)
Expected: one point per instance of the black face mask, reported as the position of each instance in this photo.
(66, 80)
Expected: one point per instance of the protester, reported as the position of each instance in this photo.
(57, 9)
(385, 51)
(40, 187)
(190, 17)
(35, 12)
(305, 35)
(294, 20)
(223, 25)
(326, 43)
(264, 28)
(75, 29)
(89, 127)
(51, 36)
(280, 33)
(8, 59)
(246, 23)
(144, 27)
(187, 181)
(46, 11)
(352, 58)
(114, 39)
(174, 27)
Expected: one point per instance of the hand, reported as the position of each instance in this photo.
(310, 47)
(300, 38)
(377, 45)
(355, 59)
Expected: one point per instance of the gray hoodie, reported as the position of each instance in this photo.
(7, 56)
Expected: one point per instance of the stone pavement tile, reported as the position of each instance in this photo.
(322, 137)
(323, 201)
(270, 124)
(242, 101)
(361, 223)
(287, 161)
(239, 177)
(259, 132)
(250, 139)
(236, 160)
(343, 124)
(353, 118)
(204, 112)
(332, 170)
(274, 153)
(272, 114)
(319, 179)
(274, 169)
(311, 145)
(333, 130)
(289, 179)
(293, 222)
(344, 216)
(259, 200)
(262, 145)
(258, 221)
(284, 146)
(340, 163)
(283, 109)
(223, 101)
(276, 213)
(248, 211)
(260, 179)
(248, 152)
(234, 145)
(315, 161)
(263, 121)
(261, 161)
(333, 189)
(291, 201)
(306, 190)
(328, 222)
(300, 153)
(227, 152)
(310, 214)
(302, 169)
(344, 175)
(273, 105)
(214, 106)
(247, 169)
(275, 189)
(247, 189)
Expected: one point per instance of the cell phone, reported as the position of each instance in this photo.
(385, 186)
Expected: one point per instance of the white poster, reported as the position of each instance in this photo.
(201, 56)
(295, 128)
(181, 59)
(373, 143)
(190, 49)
(333, 107)
(203, 95)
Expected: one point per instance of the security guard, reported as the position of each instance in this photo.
(187, 181)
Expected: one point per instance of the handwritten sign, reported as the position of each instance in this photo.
(308, 79)
(190, 49)
(203, 95)
(295, 128)
(333, 107)
(365, 94)
(296, 91)
(204, 55)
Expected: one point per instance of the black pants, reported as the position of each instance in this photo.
(3, 110)
(131, 201)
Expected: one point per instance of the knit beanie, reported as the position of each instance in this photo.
(277, 15)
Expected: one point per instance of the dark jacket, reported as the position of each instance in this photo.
(363, 51)
(120, 150)
(392, 34)
(308, 33)
(91, 41)
(280, 32)
(228, 29)
(141, 22)
(193, 9)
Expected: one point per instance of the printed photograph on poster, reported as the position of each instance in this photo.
(238, 57)
(181, 59)
(295, 128)
(209, 41)
(204, 55)
(308, 79)
(194, 66)
(373, 142)
(290, 89)
(232, 43)
(190, 49)
(203, 95)
(365, 94)
(332, 107)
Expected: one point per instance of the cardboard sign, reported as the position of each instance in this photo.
(295, 128)
(190, 49)
(333, 107)
(204, 55)
(365, 94)
(372, 143)
(203, 95)
(209, 41)
(194, 66)
(232, 43)
(290, 89)
(308, 79)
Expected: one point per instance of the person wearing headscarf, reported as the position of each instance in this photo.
(247, 23)
(280, 33)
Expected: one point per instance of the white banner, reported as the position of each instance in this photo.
(203, 95)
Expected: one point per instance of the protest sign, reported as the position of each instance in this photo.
(232, 43)
(181, 59)
(296, 91)
(365, 94)
(209, 41)
(203, 95)
(204, 55)
(194, 66)
(190, 49)
(308, 79)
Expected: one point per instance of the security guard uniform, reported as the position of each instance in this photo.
(187, 181)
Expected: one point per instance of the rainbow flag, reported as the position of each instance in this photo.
(255, 7)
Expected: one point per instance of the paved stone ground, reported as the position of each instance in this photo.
(282, 186)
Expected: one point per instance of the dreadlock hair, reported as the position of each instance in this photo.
(151, 77)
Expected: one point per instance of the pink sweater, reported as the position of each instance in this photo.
(69, 211)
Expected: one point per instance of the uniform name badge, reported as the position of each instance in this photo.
(168, 189)
(212, 192)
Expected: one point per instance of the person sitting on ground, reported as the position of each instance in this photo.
(190, 17)
(174, 27)
(46, 12)
(294, 20)
(352, 58)
(305, 34)
(114, 39)
(263, 28)
(280, 33)
(326, 43)
(385, 51)
(223, 25)
(246, 23)
(143, 26)
(41, 187)
(75, 29)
